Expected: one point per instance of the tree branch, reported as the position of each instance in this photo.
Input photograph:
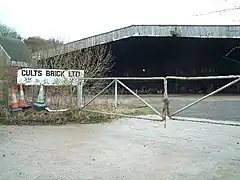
(237, 47)
(219, 11)
(233, 60)
(228, 58)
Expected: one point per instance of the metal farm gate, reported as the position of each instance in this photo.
(164, 114)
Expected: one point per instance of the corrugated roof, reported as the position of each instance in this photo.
(196, 31)
(15, 48)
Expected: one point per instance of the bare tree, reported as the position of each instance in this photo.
(226, 56)
(232, 7)
(221, 11)
(36, 43)
(96, 62)
(7, 31)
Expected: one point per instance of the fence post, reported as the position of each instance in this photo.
(79, 94)
(116, 93)
(165, 111)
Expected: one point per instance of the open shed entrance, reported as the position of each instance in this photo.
(177, 56)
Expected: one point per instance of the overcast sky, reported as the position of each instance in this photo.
(71, 20)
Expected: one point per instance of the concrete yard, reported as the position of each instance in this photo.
(128, 149)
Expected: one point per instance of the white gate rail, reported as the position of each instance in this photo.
(203, 77)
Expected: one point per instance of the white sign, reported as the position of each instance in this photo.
(49, 77)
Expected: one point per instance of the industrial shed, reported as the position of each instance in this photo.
(164, 50)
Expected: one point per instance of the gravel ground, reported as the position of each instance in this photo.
(124, 149)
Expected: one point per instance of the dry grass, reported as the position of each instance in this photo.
(33, 117)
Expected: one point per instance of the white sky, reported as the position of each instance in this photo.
(71, 20)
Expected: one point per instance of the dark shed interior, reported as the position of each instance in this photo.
(177, 56)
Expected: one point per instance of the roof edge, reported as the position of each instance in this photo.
(146, 25)
(154, 30)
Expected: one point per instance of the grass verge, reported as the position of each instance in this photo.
(33, 117)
